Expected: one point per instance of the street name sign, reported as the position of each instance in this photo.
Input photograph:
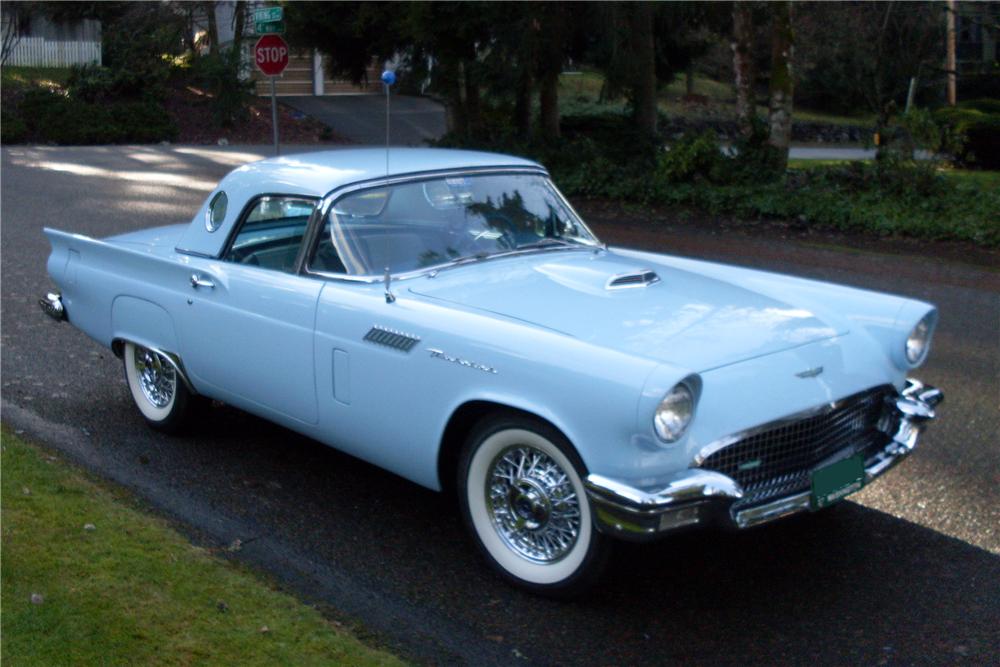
(268, 14)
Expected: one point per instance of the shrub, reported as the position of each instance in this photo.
(985, 104)
(978, 132)
(93, 83)
(692, 158)
(219, 74)
(12, 128)
(51, 116)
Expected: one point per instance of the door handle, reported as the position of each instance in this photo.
(197, 281)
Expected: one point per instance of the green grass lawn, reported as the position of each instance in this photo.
(22, 77)
(987, 180)
(579, 93)
(113, 585)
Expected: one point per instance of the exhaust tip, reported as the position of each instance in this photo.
(52, 306)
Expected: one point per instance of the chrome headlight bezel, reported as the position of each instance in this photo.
(674, 413)
(918, 342)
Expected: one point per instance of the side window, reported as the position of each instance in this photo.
(271, 233)
(216, 211)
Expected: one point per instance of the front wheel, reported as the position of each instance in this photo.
(522, 498)
(157, 389)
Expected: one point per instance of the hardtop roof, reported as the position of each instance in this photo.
(318, 173)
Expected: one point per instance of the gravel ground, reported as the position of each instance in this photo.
(907, 572)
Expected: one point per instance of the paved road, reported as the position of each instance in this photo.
(906, 573)
(415, 120)
(361, 118)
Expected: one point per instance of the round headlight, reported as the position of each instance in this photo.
(674, 413)
(918, 340)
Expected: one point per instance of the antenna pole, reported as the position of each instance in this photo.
(388, 78)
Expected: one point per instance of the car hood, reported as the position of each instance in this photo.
(685, 318)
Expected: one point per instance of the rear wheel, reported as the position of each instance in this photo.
(157, 388)
(522, 498)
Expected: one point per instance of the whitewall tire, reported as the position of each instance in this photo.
(522, 498)
(157, 388)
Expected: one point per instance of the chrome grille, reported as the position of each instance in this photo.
(778, 460)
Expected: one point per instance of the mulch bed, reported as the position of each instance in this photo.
(191, 110)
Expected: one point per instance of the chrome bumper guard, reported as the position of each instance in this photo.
(52, 306)
(698, 497)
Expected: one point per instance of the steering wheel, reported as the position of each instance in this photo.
(498, 223)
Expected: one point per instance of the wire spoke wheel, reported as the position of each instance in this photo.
(522, 497)
(157, 378)
(534, 507)
(157, 387)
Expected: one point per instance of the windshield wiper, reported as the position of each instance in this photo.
(549, 241)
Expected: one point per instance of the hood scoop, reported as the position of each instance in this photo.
(640, 278)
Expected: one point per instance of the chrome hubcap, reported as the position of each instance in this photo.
(157, 378)
(532, 504)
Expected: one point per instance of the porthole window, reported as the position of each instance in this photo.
(216, 212)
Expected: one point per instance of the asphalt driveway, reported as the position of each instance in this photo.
(907, 572)
(361, 118)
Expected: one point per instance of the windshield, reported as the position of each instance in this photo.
(427, 223)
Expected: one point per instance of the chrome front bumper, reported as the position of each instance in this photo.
(699, 497)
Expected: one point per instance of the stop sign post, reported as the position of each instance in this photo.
(270, 54)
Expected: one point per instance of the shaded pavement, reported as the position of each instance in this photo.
(361, 118)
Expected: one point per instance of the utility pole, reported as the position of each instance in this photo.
(950, 64)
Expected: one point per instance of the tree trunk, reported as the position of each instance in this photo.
(548, 98)
(239, 24)
(11, 32)
(473, 108)
(213, 28)
(782, 81)
(549, 64)
(743, 72)
(522, 104)
(644, 61)
(950, 64)
(450, 85)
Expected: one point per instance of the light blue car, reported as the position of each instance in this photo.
(446, 315)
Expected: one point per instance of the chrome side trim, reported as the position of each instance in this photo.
(51, 304)
(694, 496)
(825, 408)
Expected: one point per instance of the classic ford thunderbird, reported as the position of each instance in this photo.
(446, 315)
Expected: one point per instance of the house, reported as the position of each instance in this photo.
(33, 40)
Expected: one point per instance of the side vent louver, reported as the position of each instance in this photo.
(389, 338)
(642, 278)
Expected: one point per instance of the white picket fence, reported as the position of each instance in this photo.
(39, 52)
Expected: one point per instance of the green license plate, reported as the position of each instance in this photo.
(836, 481)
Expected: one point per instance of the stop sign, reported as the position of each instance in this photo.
(271, 55)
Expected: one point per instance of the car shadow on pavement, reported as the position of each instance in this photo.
(850, 584)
